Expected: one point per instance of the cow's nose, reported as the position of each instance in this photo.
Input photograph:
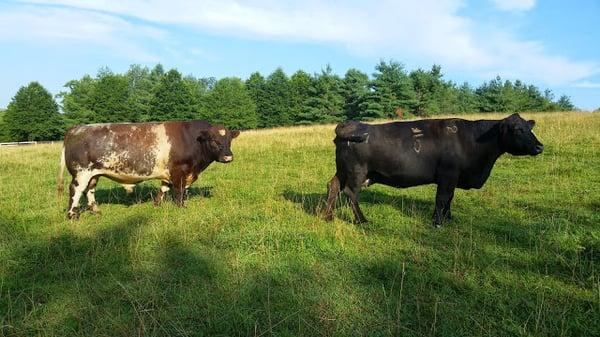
(227, 159)
(539, 148)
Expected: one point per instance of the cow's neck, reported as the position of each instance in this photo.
(487, 151)
(205, 158)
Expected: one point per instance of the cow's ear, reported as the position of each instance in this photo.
(235, 133)
(204, 136)
(531, 123)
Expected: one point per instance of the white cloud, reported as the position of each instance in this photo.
(78, 27)
(430, 30)
(514, 5)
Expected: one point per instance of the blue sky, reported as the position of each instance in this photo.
(552, 44)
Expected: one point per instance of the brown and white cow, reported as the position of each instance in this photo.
(129, 153)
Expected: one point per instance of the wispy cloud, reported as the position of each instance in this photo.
(54, 25)
(514, 5)
(430, 30)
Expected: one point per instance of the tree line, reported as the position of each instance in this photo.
(143, 94)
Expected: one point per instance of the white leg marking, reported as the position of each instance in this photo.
(82, 182)
(91, 198)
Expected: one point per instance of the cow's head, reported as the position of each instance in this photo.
(517, 138)
(218, 141)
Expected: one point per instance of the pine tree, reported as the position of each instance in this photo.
(278, 100)
(355, 89)
(77, 101)
(256, 86)
(33, 114)
(300, 86)
(229, 103)
(4, 134)
(173, 99)
(393, 89)
(564, 103)
(140, 89)
(110, 99)
(325, 103)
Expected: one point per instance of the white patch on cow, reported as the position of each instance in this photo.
(128, 188)
(164, 188)
(83, 179)
(416, 130)
(161, 151)
(222, 132)
(227, 158)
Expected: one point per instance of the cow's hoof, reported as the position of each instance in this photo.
(94, 209)
(437, 225)
(361, 222)
(73, 215)
(328, 217)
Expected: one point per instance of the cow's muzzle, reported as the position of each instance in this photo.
(226, 159)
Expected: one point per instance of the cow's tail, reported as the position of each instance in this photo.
(61, 171)
(352, 131)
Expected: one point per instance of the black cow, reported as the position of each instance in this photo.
(129, 153)
(448, 152)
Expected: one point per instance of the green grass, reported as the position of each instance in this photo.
(248, 256)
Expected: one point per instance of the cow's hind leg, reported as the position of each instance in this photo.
(333, 191)
(90, 194)
(78, 185)
(164, 188)
(351, 189)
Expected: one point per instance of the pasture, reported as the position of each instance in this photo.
(249, 255)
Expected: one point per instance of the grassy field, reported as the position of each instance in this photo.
(249, 256)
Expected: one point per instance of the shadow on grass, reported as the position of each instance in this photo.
(314, 203)
(143, 193)
(106, 284)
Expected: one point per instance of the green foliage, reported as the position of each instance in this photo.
(173, 99)
(4, 133)
(77, 101)
(143, 94)
(257, 89)
(300, 86)
(110, 99)
(277, 102)
(428, 91)
(564, 103)
(33, 115)
(325, 103)
(230, 104)
(356, 90)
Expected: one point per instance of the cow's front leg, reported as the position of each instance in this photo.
(164, 188)
(443, 197)
(179, 190)
(446, 213)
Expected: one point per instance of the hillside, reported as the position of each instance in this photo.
(249, 255)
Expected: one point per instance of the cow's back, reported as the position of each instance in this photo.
(122, 151)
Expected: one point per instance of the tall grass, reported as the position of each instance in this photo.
(249, 255)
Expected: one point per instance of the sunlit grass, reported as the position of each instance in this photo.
(249, 255)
